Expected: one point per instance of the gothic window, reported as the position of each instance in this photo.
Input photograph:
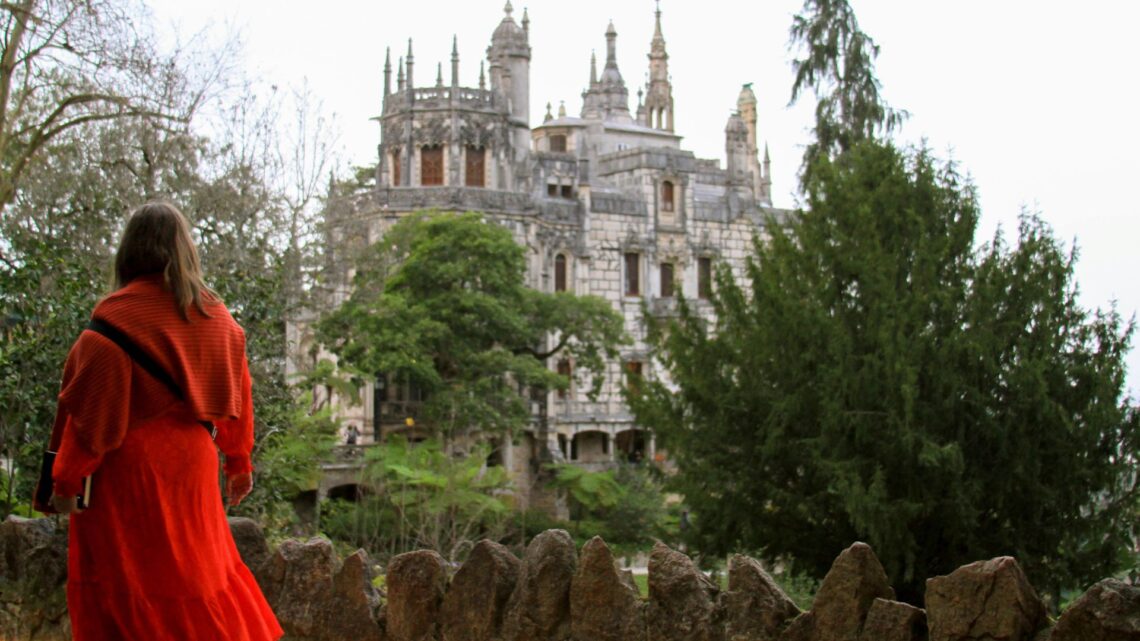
(552, 190)
(632, 274)
(560, 273)
(633, 375)
(564, 370)
(431, 165)
(666, 280)
(704, 277)
(396, 167)
(667, 196)
(558, 142)
(567, 191)
(476, 166)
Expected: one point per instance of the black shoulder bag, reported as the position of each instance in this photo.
(42, 498)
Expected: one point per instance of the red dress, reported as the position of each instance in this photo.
(153, 558)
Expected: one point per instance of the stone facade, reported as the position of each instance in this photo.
(607, 203)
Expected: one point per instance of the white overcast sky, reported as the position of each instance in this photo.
(1035, 100)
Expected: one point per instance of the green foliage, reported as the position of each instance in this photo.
(624, 505)
(287, 457)
(414, 496)
(876, 378)
(441, 302)
(45, 300)
(837, 64)
(59, 227)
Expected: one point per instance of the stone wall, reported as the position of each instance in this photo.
(559, 593)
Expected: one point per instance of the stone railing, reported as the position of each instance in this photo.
(559, 593)
(453, 198)
(441, 97)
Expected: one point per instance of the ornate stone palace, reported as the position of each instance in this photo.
(606, 202)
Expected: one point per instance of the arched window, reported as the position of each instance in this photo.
(560, 273)
(558, 142)
(667, 196)
(564, 370)
(431, 165)
(666, 280)
(476, 166)
(704, 277)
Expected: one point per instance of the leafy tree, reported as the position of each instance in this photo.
(624, 505)
(420, 496)
(248, 207)
(66, 64)
(876, 378)
(441, 302)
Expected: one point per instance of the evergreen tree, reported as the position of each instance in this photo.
(877, 377)
(879, 380)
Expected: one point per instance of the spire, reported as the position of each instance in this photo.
(439, 75)
(400, 75)
(593, 68)
(408, 61)
(387, 72)
(482, 76)
(454, 61)
(659, 90)
(526, 22)
(508, 9)
(767, 159)
(561, 108)
(611, 46)
(657, 29)
(549, 116)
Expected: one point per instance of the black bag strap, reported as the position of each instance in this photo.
(145, 361)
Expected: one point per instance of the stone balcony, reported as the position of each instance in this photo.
(449, 198)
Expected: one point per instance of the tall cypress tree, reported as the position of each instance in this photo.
(877, 376)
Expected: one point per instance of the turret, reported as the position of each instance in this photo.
(736, 149)
(746, 104)
(509, 55)
(408, 60)
(607, 97)
(454, 61)
(387, 75)
(658, 108)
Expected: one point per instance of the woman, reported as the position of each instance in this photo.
(153, 557)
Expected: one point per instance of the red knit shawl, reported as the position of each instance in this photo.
(205, 356)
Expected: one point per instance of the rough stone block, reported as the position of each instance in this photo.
(682, 600)
(604, 606)
(416, 584)
(983, 600)
(755, 608)
(476, 601)
(539, 608)
(1109, 611)
(894, 621)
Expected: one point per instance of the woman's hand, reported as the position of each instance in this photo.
(65, 504)
(238, 487)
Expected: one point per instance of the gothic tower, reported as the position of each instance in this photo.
(761, 181)
(509, 57)
(607, 98)
(658, 108)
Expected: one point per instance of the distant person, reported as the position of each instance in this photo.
(152, 557)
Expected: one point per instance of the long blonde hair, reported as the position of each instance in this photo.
(157, 241)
